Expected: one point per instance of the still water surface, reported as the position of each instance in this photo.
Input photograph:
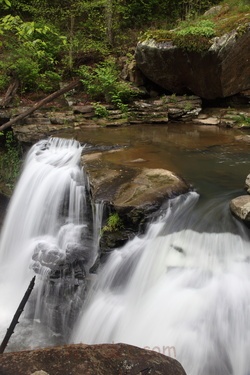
(208, 157)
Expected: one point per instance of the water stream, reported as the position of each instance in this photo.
(47, 232)
(182, 289)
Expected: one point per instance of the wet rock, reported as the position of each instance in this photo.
(243, 138)
(240, 208)
(247, 184)
(4, 201)
(207, 121)
(104, 359)
(134, 193)
(113, 240)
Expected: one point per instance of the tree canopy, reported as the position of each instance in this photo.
(43, 41)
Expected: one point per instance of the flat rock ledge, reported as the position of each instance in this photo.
(79, 359)
(161, 111)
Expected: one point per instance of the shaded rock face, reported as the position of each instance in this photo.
(222, 71)
(105, 359)
(4, 201)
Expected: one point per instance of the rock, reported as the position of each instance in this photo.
(4, 201)
(247, 184)
(43, 124)
(104, 359)
(216, 73)
(136, 194)
(147, 187)
(243, 138)
(83, 109)
(131, 73)
(207, 121)
(215, 10)
(240, 207)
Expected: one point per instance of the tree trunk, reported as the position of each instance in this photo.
(109, 22)
(40, 104)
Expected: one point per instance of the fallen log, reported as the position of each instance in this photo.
(41, 103)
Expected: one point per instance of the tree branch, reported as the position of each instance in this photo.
(39, 104)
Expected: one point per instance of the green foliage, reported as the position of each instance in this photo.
(172, 98)
(114, 223)
(4, 78)
(61, 36)
(48, 81)
(242, 120)
(5, 4)
(29, 50)
(100, 110)
(190, 37)
(103, 83)
(10, 162)
(202, 28)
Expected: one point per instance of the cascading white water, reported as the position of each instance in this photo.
(183, 290)
(98, 218)
(44, 231)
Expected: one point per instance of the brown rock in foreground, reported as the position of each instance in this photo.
(104, 359)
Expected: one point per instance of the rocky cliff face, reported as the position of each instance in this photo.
(222, 71)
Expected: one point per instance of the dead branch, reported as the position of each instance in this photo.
(40, 104)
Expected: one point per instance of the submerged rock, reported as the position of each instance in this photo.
(104, 359)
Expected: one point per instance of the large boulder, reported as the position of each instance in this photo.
(223, 70)
(133, 192)
(105, 359)
(130, 187)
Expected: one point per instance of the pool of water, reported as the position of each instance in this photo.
(208, 157)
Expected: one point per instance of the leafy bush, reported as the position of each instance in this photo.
(48, 81)
(30, 49)
(100, 110)
(103, 83)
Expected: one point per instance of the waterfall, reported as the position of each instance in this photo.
(98, 218)
(182, 289)
(47, 232)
